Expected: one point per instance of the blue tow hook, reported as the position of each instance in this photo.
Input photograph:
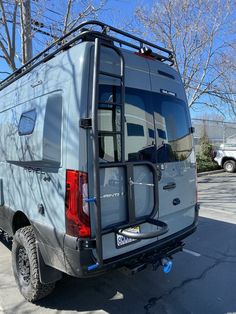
(167, 265)
(92, 267)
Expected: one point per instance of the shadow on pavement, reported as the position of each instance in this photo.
(203, 283)
(197, 284)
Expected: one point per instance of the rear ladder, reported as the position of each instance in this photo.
(95, 101)
(162, 228)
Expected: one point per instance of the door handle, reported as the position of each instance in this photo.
(169, 186)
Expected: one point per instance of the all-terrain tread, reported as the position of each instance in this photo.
(26, 238)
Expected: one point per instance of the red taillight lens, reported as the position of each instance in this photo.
(77, 212)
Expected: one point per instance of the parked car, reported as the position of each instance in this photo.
(97, 163)
(226, 157)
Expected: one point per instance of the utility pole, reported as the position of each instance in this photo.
(26, 31)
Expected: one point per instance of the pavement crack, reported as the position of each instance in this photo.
(154, 300)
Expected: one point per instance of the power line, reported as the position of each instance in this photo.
(36, 23)
(48, 18)
(54, 12)
(44, 32)
(36, 13)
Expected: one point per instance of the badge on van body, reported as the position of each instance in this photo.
(167, 92)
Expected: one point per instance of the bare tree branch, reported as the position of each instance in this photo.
(4, 21)
(46, 28)
(68, 12)
(7, 43)
(202, 37)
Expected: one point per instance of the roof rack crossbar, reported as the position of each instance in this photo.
(60, 44)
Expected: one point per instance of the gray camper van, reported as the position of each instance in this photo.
(97, 164)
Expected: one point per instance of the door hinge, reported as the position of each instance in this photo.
(86, 123)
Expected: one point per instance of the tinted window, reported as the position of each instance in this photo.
(165, 123)
(139, 121)
(109, 93)
(109, 119)
(157, 126)
(174, 140)
(27, 122)
(109, 123)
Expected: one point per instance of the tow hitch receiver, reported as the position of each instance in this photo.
(162, 258)
(136, 268)
(165, 262)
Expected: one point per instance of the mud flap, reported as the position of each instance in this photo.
(47, 274)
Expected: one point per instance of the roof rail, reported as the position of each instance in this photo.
(90, 29)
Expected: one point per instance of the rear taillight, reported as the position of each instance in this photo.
(77, 211)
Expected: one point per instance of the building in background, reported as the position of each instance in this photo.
(218, 132)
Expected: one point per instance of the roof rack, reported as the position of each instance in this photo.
(89, 31)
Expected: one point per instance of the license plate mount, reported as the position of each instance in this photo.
(122, 241)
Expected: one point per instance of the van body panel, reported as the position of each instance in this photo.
(33, 167)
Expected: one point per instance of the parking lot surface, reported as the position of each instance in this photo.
(202, 281)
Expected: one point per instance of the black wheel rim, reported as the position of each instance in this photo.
(23, 266)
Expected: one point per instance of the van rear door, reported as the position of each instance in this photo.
(175, 156)
(127, 183)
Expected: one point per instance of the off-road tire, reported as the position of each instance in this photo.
(230, 166)
(25, 266)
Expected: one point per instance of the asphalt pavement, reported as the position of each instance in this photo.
(202, 281)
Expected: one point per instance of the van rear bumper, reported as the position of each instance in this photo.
(78, 260)
(69, 254)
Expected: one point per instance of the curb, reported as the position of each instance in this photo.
(209, 172)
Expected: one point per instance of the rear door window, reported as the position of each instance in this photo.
(157, 126)
(109, 124)
(165, 124)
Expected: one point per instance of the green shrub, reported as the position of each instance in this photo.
(206, 148)
(206, 165)
(204, 158)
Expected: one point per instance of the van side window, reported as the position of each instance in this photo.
(27, 122)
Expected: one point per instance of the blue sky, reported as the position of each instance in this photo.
(117, 13)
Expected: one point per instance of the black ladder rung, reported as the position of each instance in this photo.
(109, 103)
(110, 133)
(120, 77)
